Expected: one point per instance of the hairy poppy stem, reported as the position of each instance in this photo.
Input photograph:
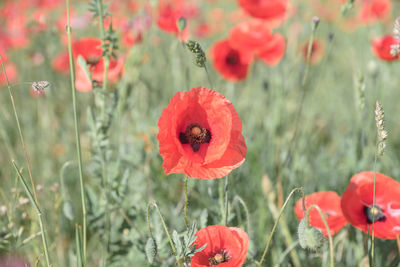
(77, 137)
(154, 204)
(373, 221)
(186, 201)
(38, 212)
(332, 260)
(315, 23)
(226, 200)
(208, 77)
(106, 55)
(238, 199)
(277, 221)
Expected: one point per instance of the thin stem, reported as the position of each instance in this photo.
(20, 132)
(208, 76)
(398, 243)
(286, 252)
(373, 208)
(226, 200)
(38, 212)
(154, 204)
(221, 199)
(77, 137)
(186, 201)
(332, 260)
(246, 210)
(276, 223)
(106, 55)
(302, 98)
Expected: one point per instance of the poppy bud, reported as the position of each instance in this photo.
(309, 237)
(181, 24)
(151, 250)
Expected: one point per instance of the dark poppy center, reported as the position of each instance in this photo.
(220, 257)
(374, 214)
(195, 135)
(92, 60)
(232, 58)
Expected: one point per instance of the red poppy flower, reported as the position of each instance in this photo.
(317, 51)
(169, 13)
(226, 246)
(374, 10)
(272, 10)
(200, 135)
(255, 37)
(381, 47)
(329, 203)
(273, 51)
(90, 50)
(357, 204)
(233, 64)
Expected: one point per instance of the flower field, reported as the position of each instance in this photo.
(199, 133)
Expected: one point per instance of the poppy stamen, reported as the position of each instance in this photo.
(221, 257)
(195, 135)
(374, 214)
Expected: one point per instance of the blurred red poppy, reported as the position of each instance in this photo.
(381, 47)
(357, 206)
(231, 63)
(226, 246)
(329, 203)
(90, 49)
(317, 51)
(200, 135)
(273, 11)
(170, 11)
(11, 69)
(255, 37)
(375, 10)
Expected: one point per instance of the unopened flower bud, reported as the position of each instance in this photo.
(309, 237)
(151, 250)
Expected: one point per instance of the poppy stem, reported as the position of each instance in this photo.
(107, 48)
(77, 137)
(226, 200)
(398, 243)
(373, 208)
(237, 199)
(332, 260)
(186, 201)
(299, 112)
(276, 223)
(208, 76)
(154, 204)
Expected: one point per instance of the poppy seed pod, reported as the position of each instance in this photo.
(309, 237)
(329, 203)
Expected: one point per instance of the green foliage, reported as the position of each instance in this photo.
(336, 139)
